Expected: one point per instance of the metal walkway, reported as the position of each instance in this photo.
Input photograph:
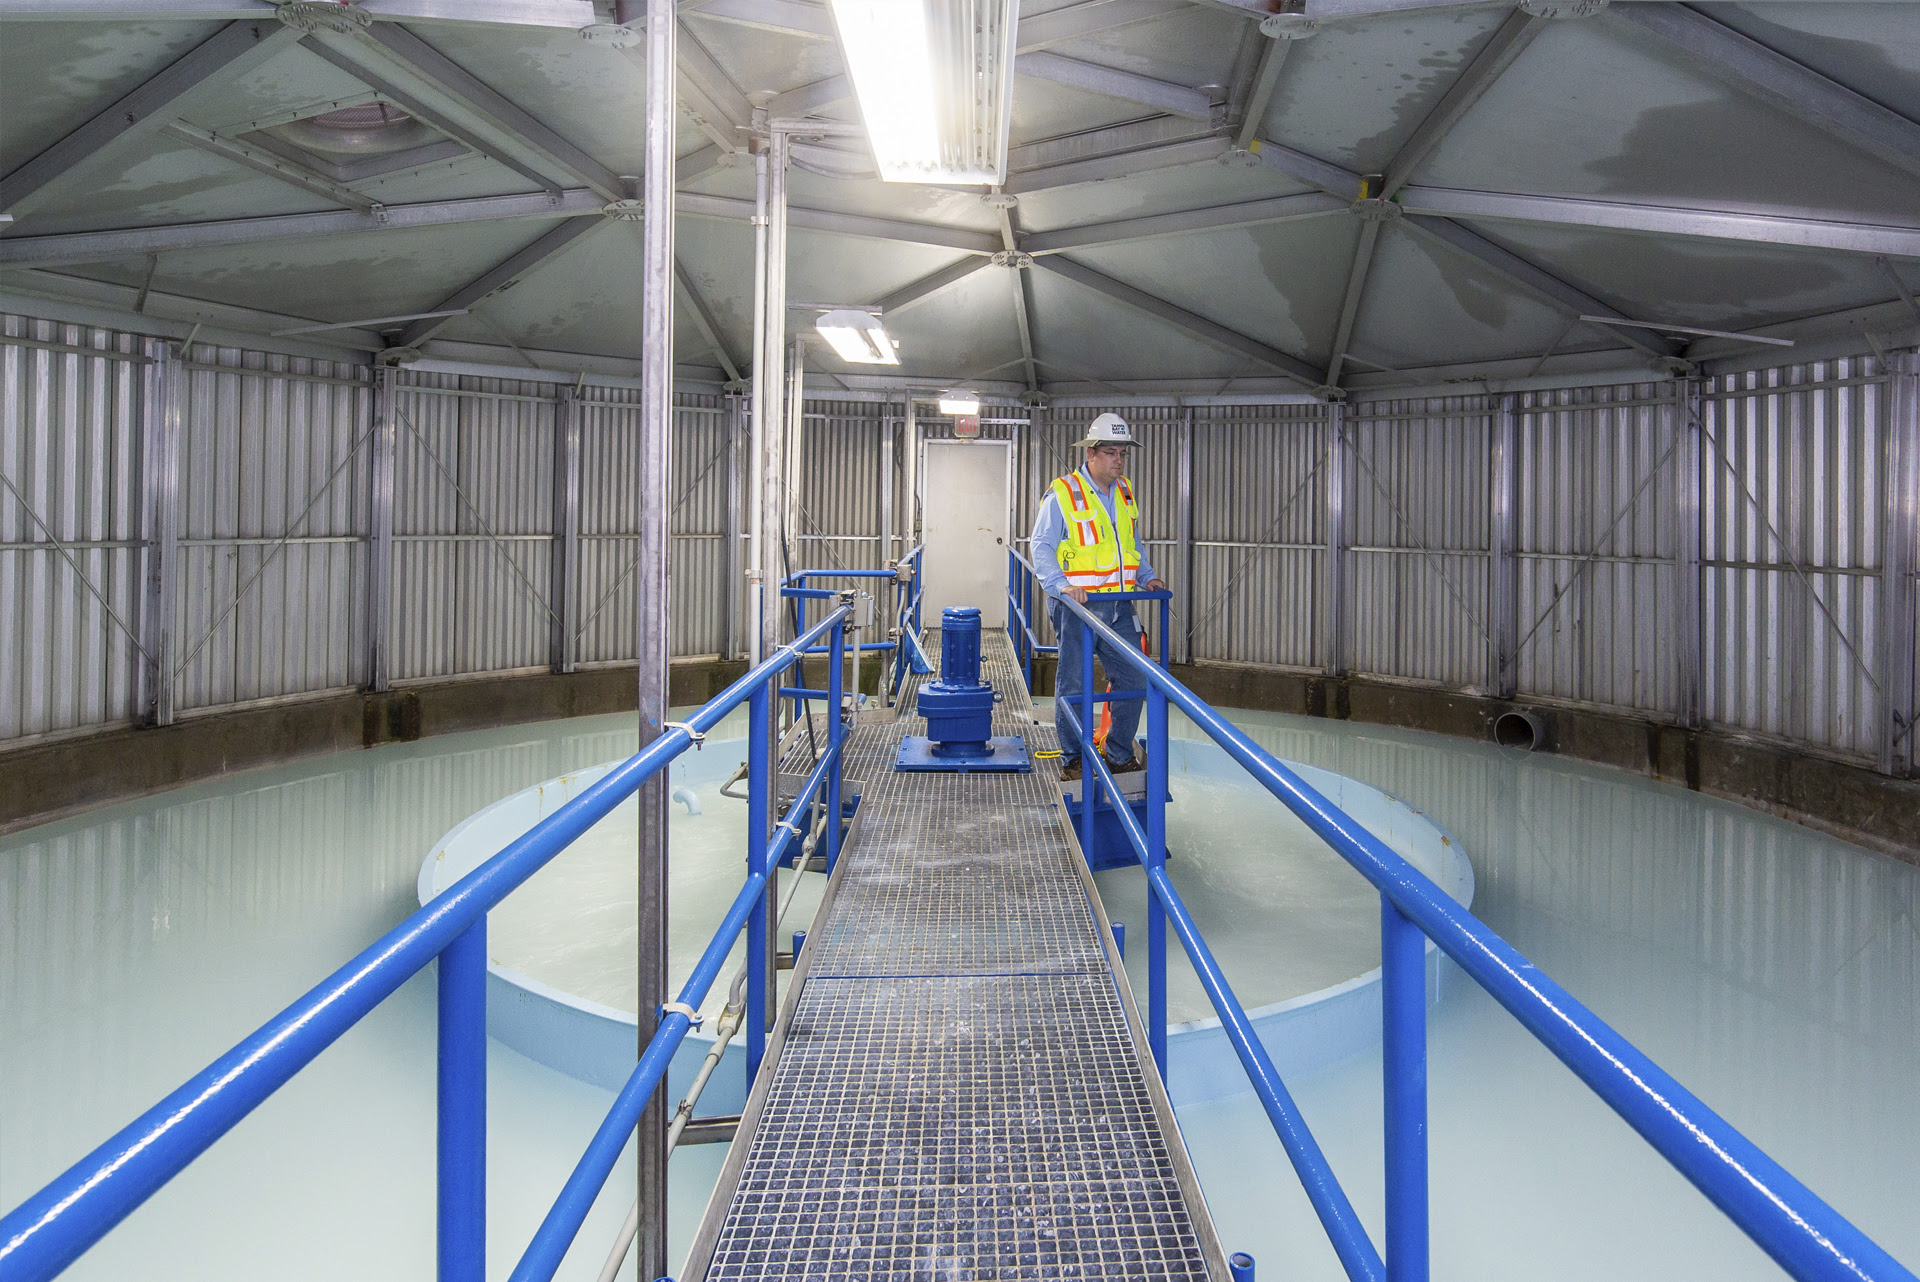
(960, 1087)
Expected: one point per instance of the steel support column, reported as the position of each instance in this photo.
(1687, 480)
(162, 393)
(733, 589)
(651, 595)
(1503, 569)
(380, 466)
(1900, 560)
(910, 486)
(887, 552)
(1184, 651)
(562, 593)
(1336, 572)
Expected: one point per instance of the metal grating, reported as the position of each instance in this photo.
(958, 1092)
(967, 1128)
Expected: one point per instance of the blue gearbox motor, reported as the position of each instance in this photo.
(959, 706)
(959, 709)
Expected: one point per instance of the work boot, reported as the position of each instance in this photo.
(1070, 771)
(1132, 765)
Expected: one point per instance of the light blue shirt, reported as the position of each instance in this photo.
(1050, 526)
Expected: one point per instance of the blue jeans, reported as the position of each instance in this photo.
(1123, 674)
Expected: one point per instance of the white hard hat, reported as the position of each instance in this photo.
(1108, 429)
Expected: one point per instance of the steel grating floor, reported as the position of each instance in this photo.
(960, 1089)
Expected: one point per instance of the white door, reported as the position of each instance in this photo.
(966, 492)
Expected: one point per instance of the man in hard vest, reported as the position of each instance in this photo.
(1084, 545)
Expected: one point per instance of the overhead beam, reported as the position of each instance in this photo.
(1357, 275)
(920, 290)
(1714, 224)
(1569, 299)
(1507, 43)
(1114, 83)
(1209, 331)
(1022, 304)
(1247, 213)
(1071, 173)
(1088, 18)
(708, 94)
(898, 229)
(231, 52)
(97, 246)
(1273, 60)
(261, 161)
(566, 15)
(821, 95)
(1312, 170)
(506, 275)
(785, 16)
(703, 320)
(1792, 87)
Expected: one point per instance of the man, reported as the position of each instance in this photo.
(1084, 544)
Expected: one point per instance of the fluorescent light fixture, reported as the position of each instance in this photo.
(959, 403)
(858, 337)
(934, 79)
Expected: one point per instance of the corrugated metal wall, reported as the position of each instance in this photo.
(1781, 474)
(271, 494)
(70, 455)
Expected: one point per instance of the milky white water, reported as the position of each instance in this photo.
(1773, 970)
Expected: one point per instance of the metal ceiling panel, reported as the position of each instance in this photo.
(1192, 46)
(764, 61)
(1430, 304)
(1698, 282)
(1279, 284)
(60, 74)
(1602, 109)
(1355, 92)
(968, 328)
(1042, 109)
(1873, 49)
(1083, 333)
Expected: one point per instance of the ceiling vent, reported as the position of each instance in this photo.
(369, 129)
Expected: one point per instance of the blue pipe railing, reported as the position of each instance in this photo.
(905, 613)
(47, 1232)
(1805, 1236)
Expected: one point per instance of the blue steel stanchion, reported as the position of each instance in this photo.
(1403, 999)
(836, 732)
(1157, 853)
(759, 827)
(462, 1138)
(1089, 779)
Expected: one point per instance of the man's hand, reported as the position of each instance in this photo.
(1156, 585)
(1078, 594)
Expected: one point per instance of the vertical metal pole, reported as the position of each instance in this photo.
(380, 532)
(565, 624)
(1687, 481)
(796, 437)
(835, 733)
(1336, 577)
(1157, 852)
(733, 592)
(886, 495)
(1901, 546)
(162, 393)
(1403, 997)
(462, 1134)
(1503, 575)
(757, 632)
(769, 386)
(1185, 558)
(653, 588)
(1089, 774)
(759, 833)
(910, 490)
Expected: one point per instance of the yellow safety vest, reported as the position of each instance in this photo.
(1095, 556)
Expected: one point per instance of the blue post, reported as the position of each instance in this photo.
(1089, 777)
(799, 942)
(759, 831)
(1120, 939)
(836, 732)
(462, 1140)
(1157, 852)
(1403, 997)
(1240, 1264)
(1166, 624)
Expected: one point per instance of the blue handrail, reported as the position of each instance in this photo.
(1805, 1236)
(52, 1228)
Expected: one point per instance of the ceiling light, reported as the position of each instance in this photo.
(934, 79)
(958, 403)
(858, 337)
